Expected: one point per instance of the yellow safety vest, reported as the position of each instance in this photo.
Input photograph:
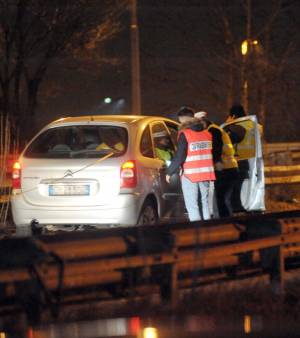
(163, 155)
(246, 148)
(228, 158)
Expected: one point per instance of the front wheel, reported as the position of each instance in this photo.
(148, 214)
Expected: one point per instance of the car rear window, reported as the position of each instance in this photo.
(80, 141)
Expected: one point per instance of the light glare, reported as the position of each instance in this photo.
(244, 47)
(247, 324)
(16, 166)
(107, 100)
(150, 332)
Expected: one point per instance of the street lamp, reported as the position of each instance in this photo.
(107, 100)
(244, 47)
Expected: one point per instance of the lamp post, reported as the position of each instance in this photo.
(246, 48)
(244, 80)
(135, 61)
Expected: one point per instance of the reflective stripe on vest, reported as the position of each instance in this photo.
(198, 165)
(198, 157)
(199, 170)
(246, 148)
(228, 158)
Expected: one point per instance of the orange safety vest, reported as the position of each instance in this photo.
(198, 166)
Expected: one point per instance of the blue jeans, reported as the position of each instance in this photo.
(191, 198)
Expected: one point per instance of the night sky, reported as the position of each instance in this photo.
(181, 44)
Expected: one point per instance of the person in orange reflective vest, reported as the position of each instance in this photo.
(194, 157)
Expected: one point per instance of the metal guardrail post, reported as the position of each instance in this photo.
(281, 271)
(168, 253)
(281, 263)
(174, 279)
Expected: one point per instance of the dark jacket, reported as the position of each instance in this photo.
(236, 134)
(181, 153)
(217, 142)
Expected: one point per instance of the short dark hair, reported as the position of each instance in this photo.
(237, 110)
(186, 111)
(206, 121)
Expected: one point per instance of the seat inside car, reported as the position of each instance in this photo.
(91, 139)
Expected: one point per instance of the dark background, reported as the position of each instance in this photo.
(186, 59)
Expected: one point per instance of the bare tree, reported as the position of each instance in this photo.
(34, 32)
(270, 30)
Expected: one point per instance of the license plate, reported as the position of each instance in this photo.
(69, 190)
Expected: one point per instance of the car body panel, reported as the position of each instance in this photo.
(103, 181)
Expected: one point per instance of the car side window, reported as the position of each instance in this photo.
(146, 144)
(173, 129)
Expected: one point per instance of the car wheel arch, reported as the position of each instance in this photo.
(152, 201)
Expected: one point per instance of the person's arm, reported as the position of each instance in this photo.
(179, 156)
(217, 144)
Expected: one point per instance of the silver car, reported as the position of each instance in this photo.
(98, 171)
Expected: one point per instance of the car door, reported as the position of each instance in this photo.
(175, 180)
(253, 188)
(170, 192)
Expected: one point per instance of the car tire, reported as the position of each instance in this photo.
(148, 214)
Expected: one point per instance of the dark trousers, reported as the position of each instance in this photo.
(236, 196)
(226, 180)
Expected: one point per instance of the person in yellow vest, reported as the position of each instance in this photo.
(226, 167)
(242, 135)
(162, 146)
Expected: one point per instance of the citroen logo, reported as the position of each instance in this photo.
(68, 173)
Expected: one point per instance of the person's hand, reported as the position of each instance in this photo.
(218, 166)
(229, 119)
(168, 178)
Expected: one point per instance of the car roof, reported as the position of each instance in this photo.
(128, 119)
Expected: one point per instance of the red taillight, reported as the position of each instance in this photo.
(16, 176)
(128, 175)
(134, 325)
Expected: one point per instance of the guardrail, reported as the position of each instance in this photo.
(134, 261)
(282, 174)
(282, 153)
(282, 163)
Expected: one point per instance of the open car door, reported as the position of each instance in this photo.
(253, 188)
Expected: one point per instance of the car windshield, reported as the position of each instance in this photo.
(79, 141)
